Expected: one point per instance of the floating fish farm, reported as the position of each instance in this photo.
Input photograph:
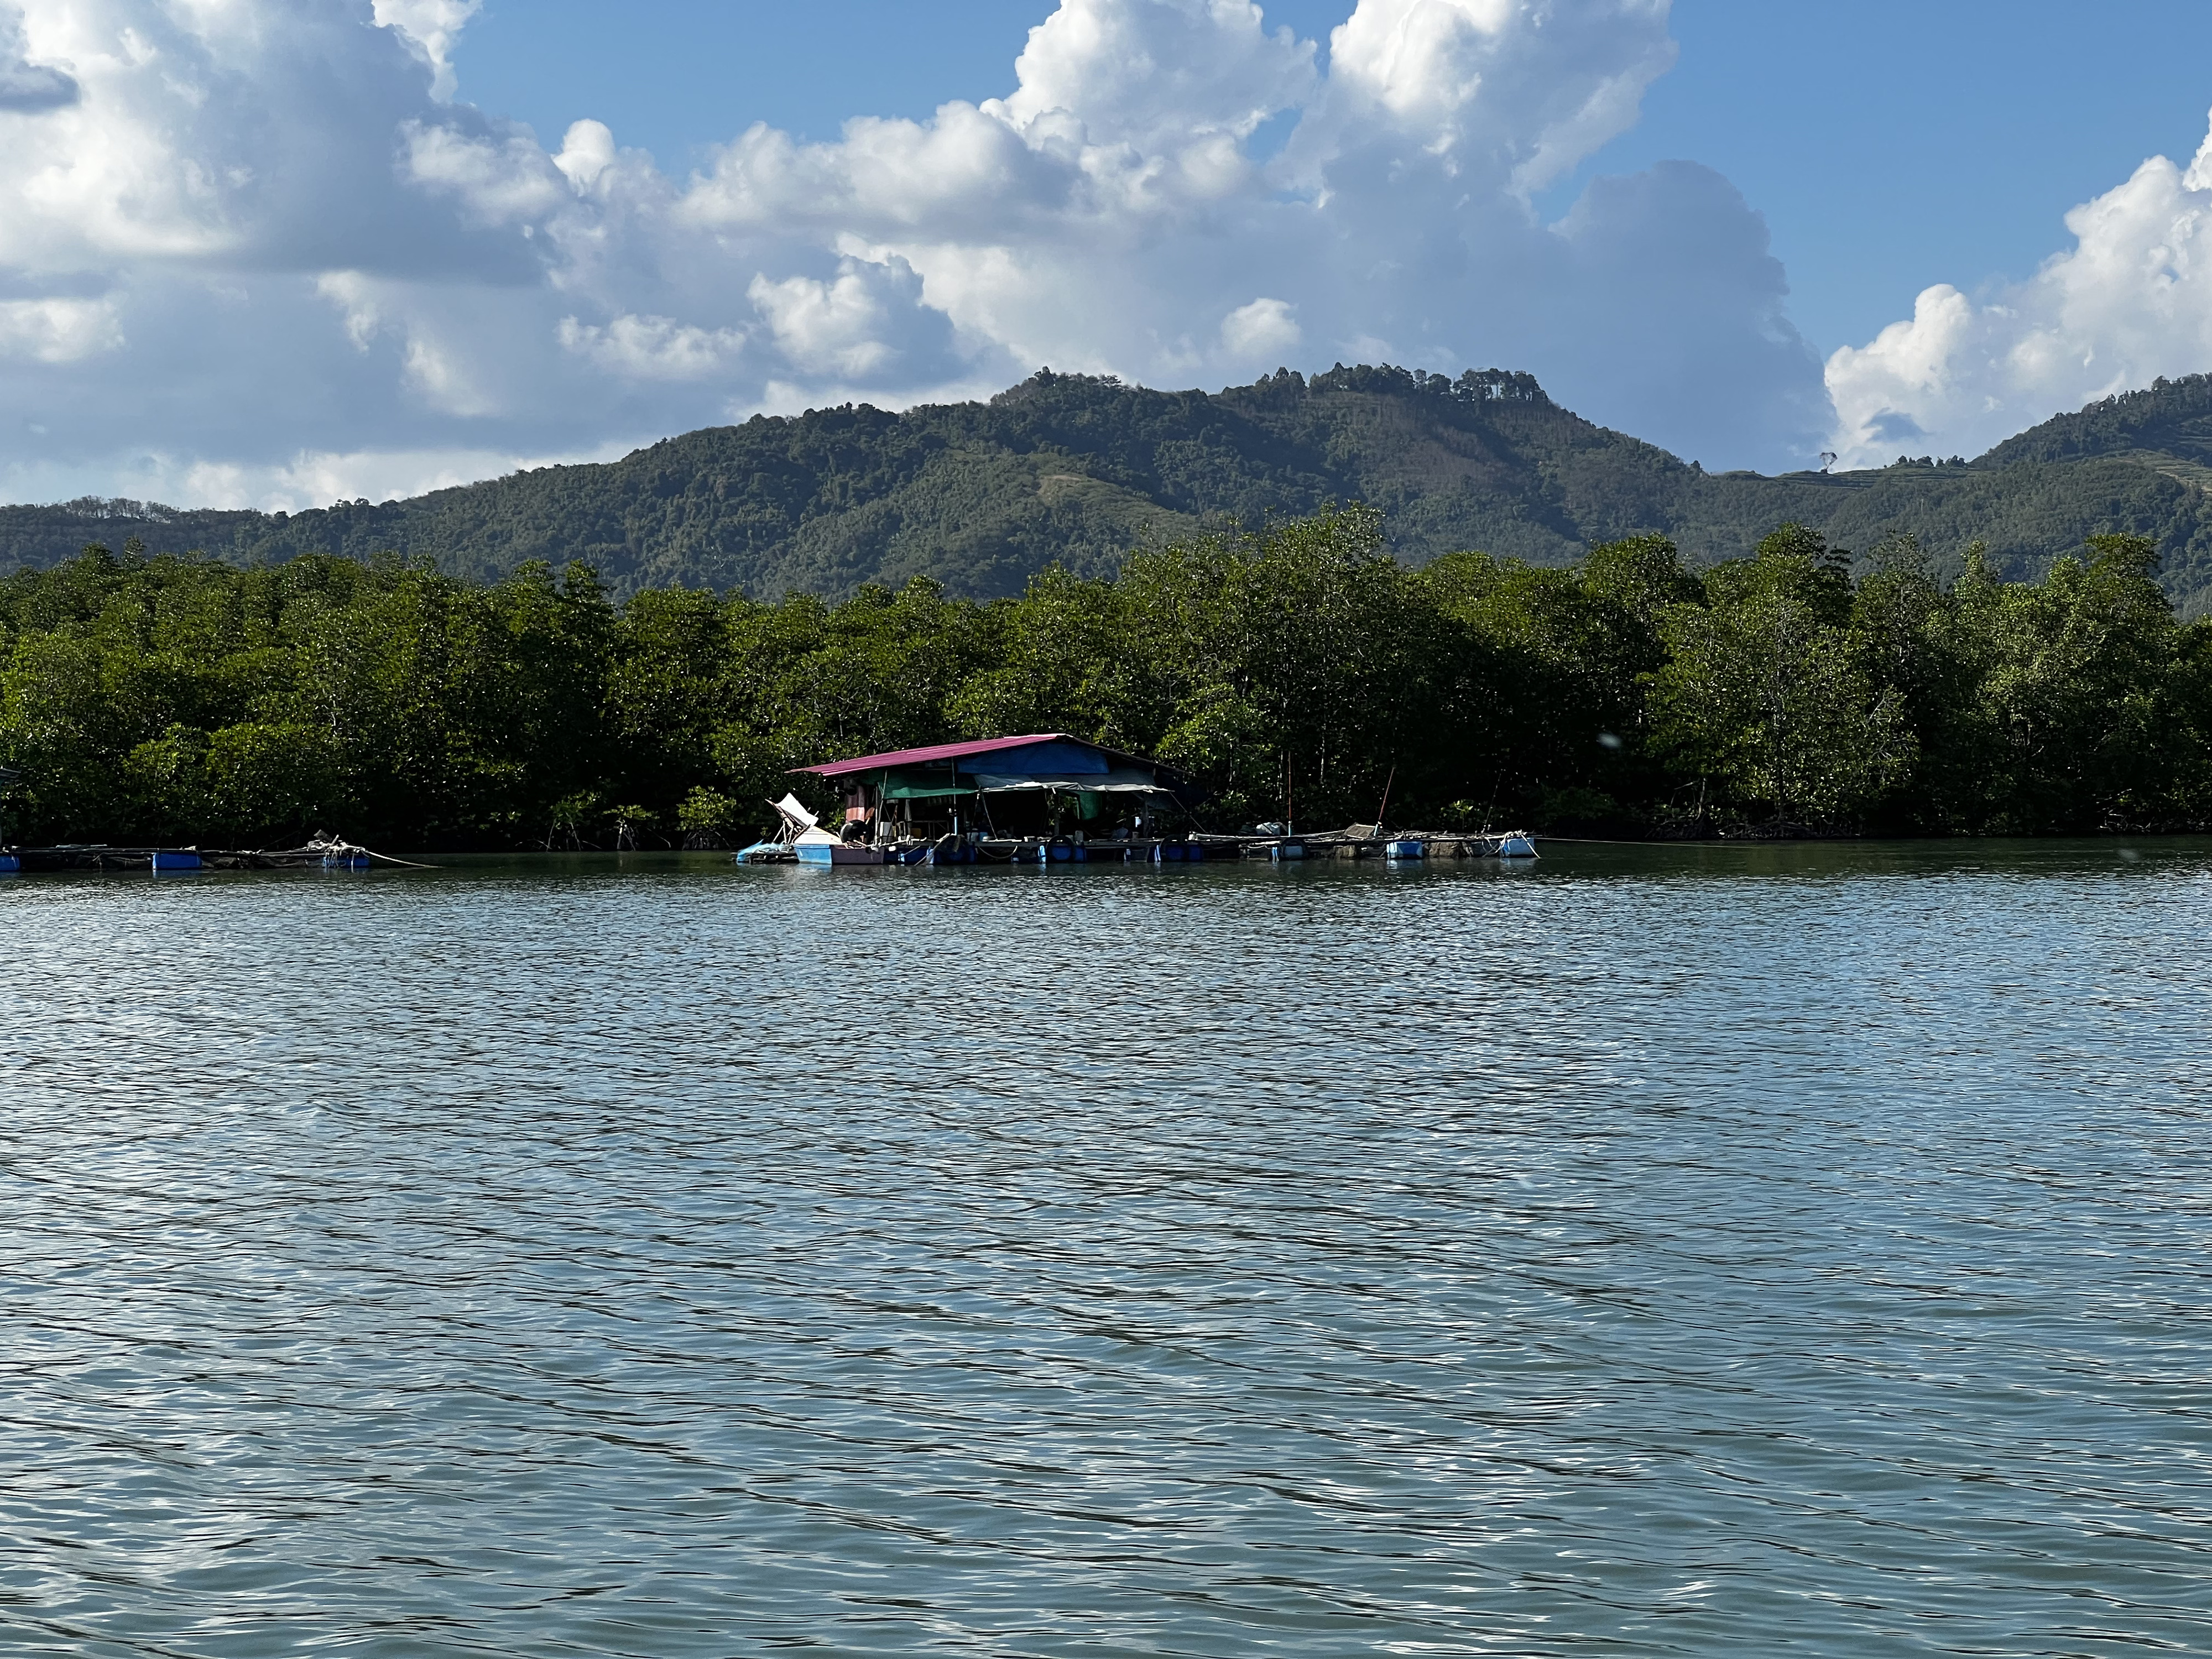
(1050, 797)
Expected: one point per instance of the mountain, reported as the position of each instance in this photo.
(1079, 469)
(2167, 426)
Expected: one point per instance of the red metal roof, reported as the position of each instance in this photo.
(939, 751)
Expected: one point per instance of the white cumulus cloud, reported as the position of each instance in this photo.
(501, 180)
(57, 331)
(2130, 301)
(1252, 332)
(26, 86)
(429, 28)
(231, 243)
(653, 348)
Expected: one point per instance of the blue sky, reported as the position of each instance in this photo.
(1889, 144)
(1894, 145)
(385, 245)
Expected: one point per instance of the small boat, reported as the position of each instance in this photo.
(804, 841)
(821, 847)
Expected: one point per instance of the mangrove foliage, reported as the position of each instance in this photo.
(184, 699)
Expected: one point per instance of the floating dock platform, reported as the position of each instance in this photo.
(1055, 797)
(1397, 847)
(100, 855)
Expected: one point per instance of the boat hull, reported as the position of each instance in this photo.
(838, 853)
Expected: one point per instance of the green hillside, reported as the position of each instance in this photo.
(1077, 469)
(2169, 424)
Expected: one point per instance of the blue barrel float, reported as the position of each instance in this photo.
(174, 861)
(10, 864)
(1405, 849)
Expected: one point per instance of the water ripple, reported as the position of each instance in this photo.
(1665, 1252)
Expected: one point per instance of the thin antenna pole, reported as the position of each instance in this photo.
(1384, 810)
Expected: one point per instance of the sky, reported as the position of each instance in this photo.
(276, 253)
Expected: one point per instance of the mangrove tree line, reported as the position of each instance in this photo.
(176, 700)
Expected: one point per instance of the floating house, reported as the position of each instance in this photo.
(1050, 797)
(1045, 786)
(1047, 796)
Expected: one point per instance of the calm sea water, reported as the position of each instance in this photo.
(1659, 1252)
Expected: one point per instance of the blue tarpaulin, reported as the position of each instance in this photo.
(1038, 758)
(1043, 761)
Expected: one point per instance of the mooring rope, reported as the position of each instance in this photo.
(387, 859)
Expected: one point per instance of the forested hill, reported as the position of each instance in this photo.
(2168, 426)
(1077, 470)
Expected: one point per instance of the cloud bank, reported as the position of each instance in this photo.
(259, 250)
(2130, 301)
